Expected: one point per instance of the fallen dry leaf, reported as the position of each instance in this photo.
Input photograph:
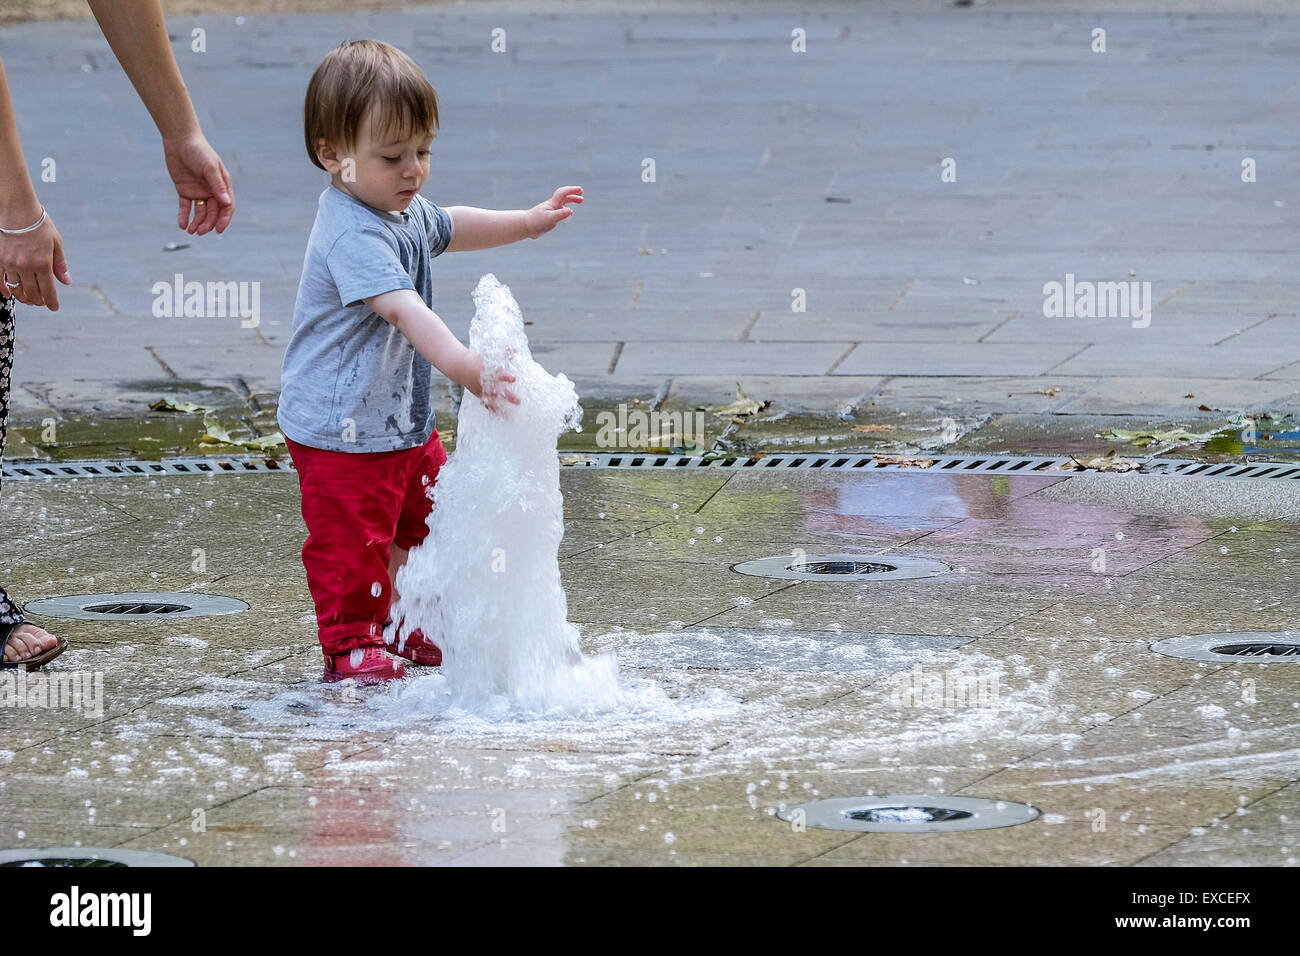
(1107, 462)
(743, 405)
(1171, 436)
(273, 440)
(163, 405)
(903, 461)
(216, 433)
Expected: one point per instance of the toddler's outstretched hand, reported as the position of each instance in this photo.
(543, 217)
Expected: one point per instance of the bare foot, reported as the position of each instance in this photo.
(28, 641)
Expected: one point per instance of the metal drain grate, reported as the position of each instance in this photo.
(1259, 647)
(134, 606)
(842, 567)
(63, 861)
(942, 464)
(909, 813)
(90, 857)
(1258, 650)
(106, 468)
(1255, 469)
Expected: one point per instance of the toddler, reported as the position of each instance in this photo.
(355, 402)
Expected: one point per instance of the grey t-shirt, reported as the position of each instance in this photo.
(350, 380)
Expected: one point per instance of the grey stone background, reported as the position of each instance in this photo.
(775, 170)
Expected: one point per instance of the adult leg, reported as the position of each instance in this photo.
(25, 640)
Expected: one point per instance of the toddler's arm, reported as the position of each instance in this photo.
(474, 228)
(429, 334)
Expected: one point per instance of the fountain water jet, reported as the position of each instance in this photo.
(485, 584)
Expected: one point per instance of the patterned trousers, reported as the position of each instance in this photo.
(10, 615)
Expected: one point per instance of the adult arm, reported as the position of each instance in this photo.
(35, 258)
(137, 32)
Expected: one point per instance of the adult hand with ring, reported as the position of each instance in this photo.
(202, 183)
(31, 261)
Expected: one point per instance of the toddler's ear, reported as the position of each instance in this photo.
(328, 156)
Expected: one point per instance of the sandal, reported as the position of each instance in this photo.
(415, 646)
(365, 665)
(29, 663)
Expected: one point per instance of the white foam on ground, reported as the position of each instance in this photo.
(639, 707)
(677, 706)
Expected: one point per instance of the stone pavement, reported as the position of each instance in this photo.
(217, 742)
(775, 171)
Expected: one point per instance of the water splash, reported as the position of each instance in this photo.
(485, 584)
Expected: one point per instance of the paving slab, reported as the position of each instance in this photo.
(778, 692)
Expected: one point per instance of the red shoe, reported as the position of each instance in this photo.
(365, 665)
(415, 647)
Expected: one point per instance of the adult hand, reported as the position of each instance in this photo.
(33, 261)
(202, 183)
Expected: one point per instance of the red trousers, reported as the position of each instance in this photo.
(356, 505)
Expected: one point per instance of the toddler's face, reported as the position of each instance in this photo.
(388, 171)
